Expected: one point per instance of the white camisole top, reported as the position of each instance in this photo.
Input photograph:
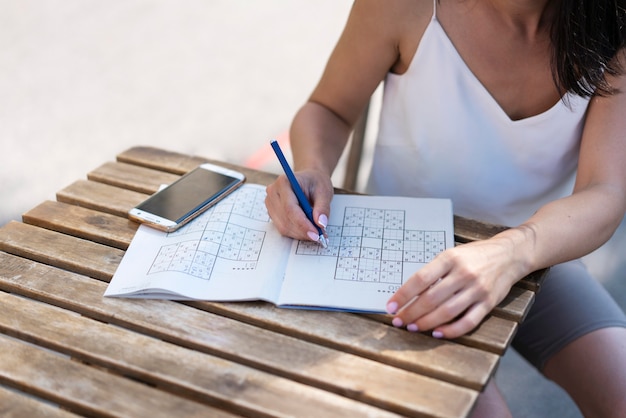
(441, 134)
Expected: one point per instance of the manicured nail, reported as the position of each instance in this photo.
(323, 220)
(412, 328)
(392, 307)
(437, 334)
(313, 236)
(397, 322)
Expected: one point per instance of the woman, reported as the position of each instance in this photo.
(515, 111)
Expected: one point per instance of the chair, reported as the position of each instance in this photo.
(355, 151)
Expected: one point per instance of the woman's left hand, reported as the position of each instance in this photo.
(453, 293)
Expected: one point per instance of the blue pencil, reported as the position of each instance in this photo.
(302, 200)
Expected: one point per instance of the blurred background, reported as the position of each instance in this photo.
(82, 80)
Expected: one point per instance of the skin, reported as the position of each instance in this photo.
(506, 45)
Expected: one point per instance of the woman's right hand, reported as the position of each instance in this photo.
(287, 214)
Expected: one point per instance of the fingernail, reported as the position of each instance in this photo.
(437, 334)
(392, 307)
(412, 328)
(397, 322)
(313, 236)
(323, 220)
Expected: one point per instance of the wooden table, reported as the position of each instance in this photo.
(67, 350)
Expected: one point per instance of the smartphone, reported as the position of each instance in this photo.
(180, 202)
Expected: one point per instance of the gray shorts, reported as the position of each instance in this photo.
(569, 304)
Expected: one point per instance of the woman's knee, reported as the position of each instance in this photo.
(491, 403)
(592, 369)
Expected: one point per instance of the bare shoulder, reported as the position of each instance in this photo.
(397, 22)
(394, 11)
(603, 146)
(380, 36)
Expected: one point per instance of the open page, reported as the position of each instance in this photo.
(375, 244)
(231, 252)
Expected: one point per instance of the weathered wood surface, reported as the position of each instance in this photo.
(347, 332)
(66, 345)
(87, 390)
(15, 405)
(80, 222)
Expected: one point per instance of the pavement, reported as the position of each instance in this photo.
(82, 80)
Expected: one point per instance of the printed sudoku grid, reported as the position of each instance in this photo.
(373, 245)
(219, 238)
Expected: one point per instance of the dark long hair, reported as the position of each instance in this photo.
(586, 36)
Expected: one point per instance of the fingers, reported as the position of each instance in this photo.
(443, 298)
(448, 315)
(284, 210)
(418, 283)
(466, 323)
(453, 317)
(321, 198)
(286, 213)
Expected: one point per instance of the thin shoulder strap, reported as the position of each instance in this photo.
(434, 9)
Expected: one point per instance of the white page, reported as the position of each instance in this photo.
(376, 243)
(231, 252)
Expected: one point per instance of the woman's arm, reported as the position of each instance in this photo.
(371, 45)
(476, 277)
(587, 219)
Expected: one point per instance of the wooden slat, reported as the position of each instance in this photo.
(173, 162)
(468, 230)
(179, 370)
(533, 281)
(131, 177)
(513, 308)
(60, 250)
(304, 362)
(86, 390)
(88, 224)
(15, 405)
(515, 305)
(148, 180)
(177, 163)
(160, 159)
(383, 343)
(493, 335)
(101, 197)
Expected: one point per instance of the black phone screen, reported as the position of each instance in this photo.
(186, 195)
